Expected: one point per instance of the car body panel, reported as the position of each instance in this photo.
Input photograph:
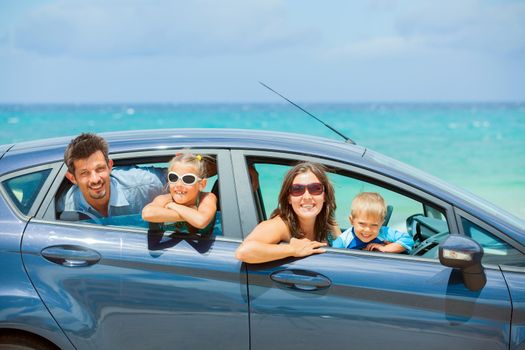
(20, 305)
(167, 288)
(515, 279)
(4, 149)
(373, 303)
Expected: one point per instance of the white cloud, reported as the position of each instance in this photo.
(493, 27)
(140, 27)
(423, 27)
(376, 47)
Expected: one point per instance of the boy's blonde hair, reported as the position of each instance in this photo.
(369, 203)
(196, 160)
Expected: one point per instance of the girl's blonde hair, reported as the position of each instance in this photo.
(369, 203)
(198, 161)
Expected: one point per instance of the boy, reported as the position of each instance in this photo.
(367, 215)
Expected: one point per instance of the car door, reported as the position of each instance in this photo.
(129, 288)
(509, 254)
(367, 300)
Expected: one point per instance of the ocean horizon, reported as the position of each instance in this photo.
(477, 146)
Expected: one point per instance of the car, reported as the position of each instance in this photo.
(73, 282)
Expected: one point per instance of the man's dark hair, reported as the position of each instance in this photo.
(82, 147)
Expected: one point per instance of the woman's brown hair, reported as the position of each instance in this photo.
(325, 220)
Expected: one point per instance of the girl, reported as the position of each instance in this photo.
(304, 218)
(186, 206)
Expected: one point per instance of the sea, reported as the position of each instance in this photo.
(477, 146)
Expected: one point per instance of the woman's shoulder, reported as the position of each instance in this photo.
(273, 230)
(279, 225)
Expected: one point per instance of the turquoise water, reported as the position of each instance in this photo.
(479, 147)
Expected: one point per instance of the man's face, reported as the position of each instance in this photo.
(92, 178)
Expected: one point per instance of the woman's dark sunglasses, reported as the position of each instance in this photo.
(315, 189)
(187, 179)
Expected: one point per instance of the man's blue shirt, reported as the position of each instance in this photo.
(131, 190)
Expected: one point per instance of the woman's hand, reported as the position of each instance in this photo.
(304, 247)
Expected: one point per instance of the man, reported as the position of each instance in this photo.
(98, 191)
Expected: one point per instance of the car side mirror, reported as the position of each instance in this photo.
(464, 254)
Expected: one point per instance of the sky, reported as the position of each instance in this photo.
(208, 51)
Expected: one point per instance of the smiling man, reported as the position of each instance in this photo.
(98, 191)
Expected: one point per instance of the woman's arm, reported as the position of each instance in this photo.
(262, 244)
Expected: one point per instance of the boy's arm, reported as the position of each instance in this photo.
(393, 241)
(385, 248)
(402, 239)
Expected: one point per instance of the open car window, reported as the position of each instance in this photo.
(158, 168)
(424, 221)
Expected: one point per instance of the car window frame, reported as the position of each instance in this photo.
(230, 222)
(249, 213)
(248, 208)
(42, 194)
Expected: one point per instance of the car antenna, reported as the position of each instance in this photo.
(347, 139)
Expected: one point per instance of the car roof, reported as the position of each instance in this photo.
(29, 154)
(32, 153)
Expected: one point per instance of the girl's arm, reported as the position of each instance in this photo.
(262, 244)
(197, 217)
(157, 212)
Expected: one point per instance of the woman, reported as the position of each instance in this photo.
(304, 217)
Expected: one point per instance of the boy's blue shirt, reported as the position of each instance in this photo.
(349, 240)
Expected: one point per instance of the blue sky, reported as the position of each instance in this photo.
(78, 51)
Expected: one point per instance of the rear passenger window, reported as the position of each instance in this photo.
(23, 190)
(132, 216)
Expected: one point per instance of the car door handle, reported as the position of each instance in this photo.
(301, 279)
(71, 255)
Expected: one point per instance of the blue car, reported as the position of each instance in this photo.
(73, 282)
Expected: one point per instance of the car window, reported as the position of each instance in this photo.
(160, 170)
(346, 188)
(23, 189)
(423, 221)
(270, 180)
(495, 250)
